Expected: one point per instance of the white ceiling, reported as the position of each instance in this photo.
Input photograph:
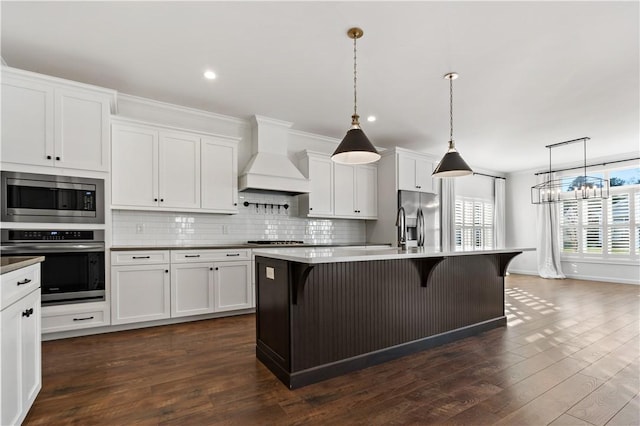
(531, 73)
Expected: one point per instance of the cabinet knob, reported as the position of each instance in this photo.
(162, 200)
(216, 268)
(48, 157)
(310, 208)
(155, 199)
(166, 271)
(57, 158)
(235, 204)
(211, 269)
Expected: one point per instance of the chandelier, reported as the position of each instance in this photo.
(580, 188)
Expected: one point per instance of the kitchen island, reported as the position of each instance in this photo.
(324, 312)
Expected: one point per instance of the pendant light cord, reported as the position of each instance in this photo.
(451, 108)
(355, 79)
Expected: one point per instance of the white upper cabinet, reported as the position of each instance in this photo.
(356, 191)
(55, 123)
(414, 172)
(179, 170)
(219, 174)
(134, 169)
(318, 168)
(155, 168)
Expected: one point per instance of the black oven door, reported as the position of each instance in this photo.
(70, 273)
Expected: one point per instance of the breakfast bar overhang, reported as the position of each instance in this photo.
(324, 312)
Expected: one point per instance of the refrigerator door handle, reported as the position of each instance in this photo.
(420, 226)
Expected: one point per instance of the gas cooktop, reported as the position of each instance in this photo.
(276, 242)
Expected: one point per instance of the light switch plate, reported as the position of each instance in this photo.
(271, 273)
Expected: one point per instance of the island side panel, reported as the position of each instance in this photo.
(273, 321)
(349, 309)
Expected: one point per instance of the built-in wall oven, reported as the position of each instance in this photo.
(74, 266)
(30, 197)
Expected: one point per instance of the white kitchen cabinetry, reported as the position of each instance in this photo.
(414, 173)
(356, 191)
(155, 168)
(206, 281)
(318, 168)
(55, 123)
(140, 286)
(20, 343)
(191, 289)
(232, 284)
(179, 171)
(219, 166)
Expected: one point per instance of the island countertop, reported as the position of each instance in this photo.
(345, 254)
(12, 263)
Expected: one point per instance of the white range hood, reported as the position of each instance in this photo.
(270, 169)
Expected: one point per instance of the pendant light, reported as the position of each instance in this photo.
(452, 164)
(355, 148)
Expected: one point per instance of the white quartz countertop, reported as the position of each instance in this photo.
(349, 254)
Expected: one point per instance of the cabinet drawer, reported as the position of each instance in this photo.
(16, 284)
(151, 257)
(61, 322)
(186, 256)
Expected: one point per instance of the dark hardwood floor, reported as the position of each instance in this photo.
(569, 356)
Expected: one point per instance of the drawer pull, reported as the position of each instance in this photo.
(233, 254)
(83, 319)
(191, 255)
(25, 281)
(142, 257)
(27, 313)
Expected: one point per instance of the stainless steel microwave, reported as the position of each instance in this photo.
(30, 197)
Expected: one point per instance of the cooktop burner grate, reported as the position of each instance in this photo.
(276, 242)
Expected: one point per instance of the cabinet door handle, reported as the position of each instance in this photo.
(233, 254)
(142, 257)
(191, 255)
(310, 208)
(166, 271)
(211, 269)
(83, 319)
(216, 268)
(48, 157)
(155, 199)
(27, 313)
(25, 281)
(235, 204)
(57, 158)
(162, 200)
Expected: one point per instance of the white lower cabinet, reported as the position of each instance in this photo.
(20, 348)
(192, 289)
(232, 284)
(152, 285)
(139, 293)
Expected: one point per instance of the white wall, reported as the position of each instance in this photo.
(521, 231)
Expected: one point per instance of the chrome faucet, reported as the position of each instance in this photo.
(401, 223)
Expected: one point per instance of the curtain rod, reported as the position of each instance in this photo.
(590, 165)
(491, 176)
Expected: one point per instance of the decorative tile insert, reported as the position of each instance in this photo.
(264, 222)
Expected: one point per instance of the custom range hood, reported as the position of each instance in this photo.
(269, 169)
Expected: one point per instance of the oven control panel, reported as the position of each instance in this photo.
(48, 235)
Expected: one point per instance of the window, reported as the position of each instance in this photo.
(609, 228)
(474, 224)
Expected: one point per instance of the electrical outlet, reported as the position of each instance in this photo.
(140, 228)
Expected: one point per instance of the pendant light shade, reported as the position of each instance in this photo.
(452, 164)
(355, 148)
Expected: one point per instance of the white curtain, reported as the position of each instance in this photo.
(548, 244)
(448, 209)
(498, 213)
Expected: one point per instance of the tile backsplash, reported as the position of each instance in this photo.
(265, 222)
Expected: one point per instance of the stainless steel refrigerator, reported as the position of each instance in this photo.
(422, 211)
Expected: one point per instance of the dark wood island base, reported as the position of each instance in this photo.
(315, 321)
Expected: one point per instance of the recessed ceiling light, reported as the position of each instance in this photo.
(209, 75)
(371, 118)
